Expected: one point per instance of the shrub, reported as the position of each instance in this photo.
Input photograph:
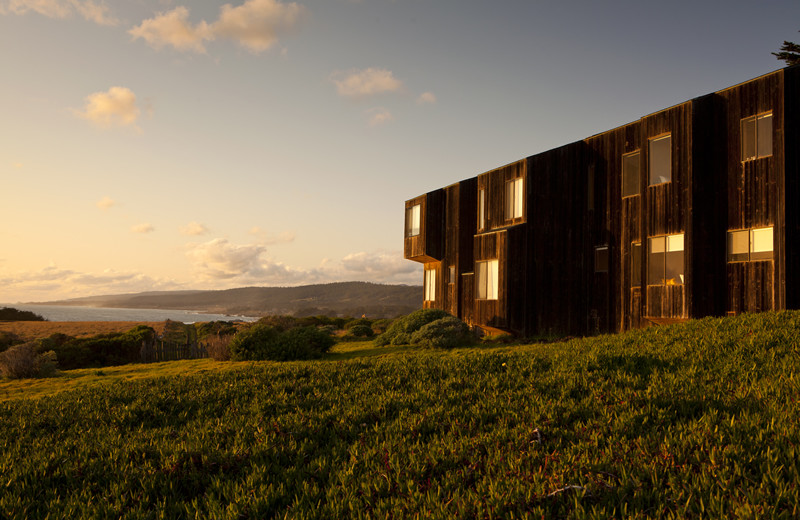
(215, 328)
(380, 325)
(261, 342)
(361, 331)
(8, 339)
(22, 361)
(100, 350)
(11, 314)
(446, 332)
(217, 347)
(358, 322)
(399, 332)
(282, 323)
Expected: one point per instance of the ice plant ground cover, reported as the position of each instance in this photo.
(692, 420)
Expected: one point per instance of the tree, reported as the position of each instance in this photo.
(790, 53)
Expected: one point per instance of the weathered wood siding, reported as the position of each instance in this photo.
(493, 313)
(494, 185)
(791, 174)
(428, 246)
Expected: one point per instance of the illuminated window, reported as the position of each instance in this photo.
(487, 279)
(430, 285)
(412, 220)
(757, 136)
(750, 244)
(514, 198)
(660, 160)
(452, 274)
(481, 209)
(630, 174)
(601, 259)
(665, 265)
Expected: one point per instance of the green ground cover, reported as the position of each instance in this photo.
(693, 420)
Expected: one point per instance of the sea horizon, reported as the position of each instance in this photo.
(80, 313)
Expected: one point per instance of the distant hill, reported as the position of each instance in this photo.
(341, 299)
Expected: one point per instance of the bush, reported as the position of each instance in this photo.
(265, 342)
(447, 332)
(22, 361)
(252, 343)
(8, 339)
(358, 322)
(215, 328)
(399, 332)
(11, 314)
(282, 323)
(217, 347)
(361, 331)
(303, 343)
(98, 351)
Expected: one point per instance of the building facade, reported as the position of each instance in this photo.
(688, 212)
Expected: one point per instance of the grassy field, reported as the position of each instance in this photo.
(31, 330)
(687, 421)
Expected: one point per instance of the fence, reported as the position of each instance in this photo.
(157, 350)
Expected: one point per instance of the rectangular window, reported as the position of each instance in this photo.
(636, 264)
(750, 244)
(430, 285)
(756, 136)
(661, 160)
(601, 259)
(665, 265)
(630, 174)
(487, 276)
(452, 274)
(514, 198)
(412, 220)
(481, 209)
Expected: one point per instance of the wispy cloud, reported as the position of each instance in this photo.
(116, 107)
(97, 12)
(255, 25)
(106, 202)
(366, 82)
(426, 98)
(379, 116)
(143, 228)
(193, 229)
(267, 238)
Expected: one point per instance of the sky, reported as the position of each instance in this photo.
(175, 144)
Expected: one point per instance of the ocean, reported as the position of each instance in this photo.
(70, 313)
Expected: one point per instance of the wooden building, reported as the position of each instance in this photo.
(688, 212)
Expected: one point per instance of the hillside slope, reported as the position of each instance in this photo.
(343, 298)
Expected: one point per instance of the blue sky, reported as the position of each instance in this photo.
(161, 144)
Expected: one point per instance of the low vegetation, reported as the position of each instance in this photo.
(686, 421)
(11, 314)
(400, 331)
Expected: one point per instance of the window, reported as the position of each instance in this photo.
(514, 198)
(630, 174)
(601, 259)
(481, 209)
(757, 136)
(636, 264)
(750, 244)
(666, 260)
(412, 220)
(430, 285)
(660, 160)
(452, 275)
(487, 278)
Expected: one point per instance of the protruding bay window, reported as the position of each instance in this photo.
(413, 215)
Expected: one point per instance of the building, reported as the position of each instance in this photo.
(688, 212)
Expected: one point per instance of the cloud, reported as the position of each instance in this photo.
(219, 260)
(379, 116)
(365, 83)
(267, 238)
(143, 228)
(106, 202)
(381, 266)
(173, 28)
(426, 98)
(193, 229)
(117, 107)
(53, 282)
(90, 10)
(255, 25)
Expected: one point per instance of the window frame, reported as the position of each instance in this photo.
(650, 161)
(625, 157)
(430, 285)
(636, 263)
(481, 209)
(598, 260)
(756, 142)
(751, 240)
(414, 216)
(514, 198)
(482, 287)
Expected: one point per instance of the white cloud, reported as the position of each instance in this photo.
(426, 98)
(381, 266)
(117, 107)
(219, 260)
(91, 10)
(173, 28)
(106, 202)
(143, 228)
(365, 83)
(379, 116)
(193, 229)
(255, 25)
